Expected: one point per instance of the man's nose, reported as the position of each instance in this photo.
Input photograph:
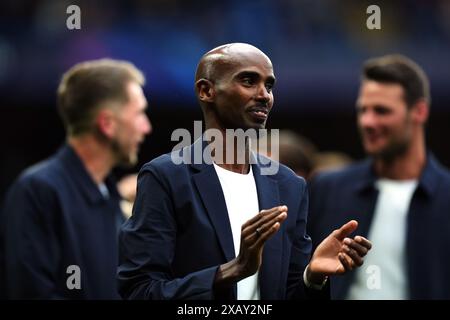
(147, 126)
(263, 94)
(367, 119)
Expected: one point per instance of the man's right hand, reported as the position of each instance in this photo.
(254, 234)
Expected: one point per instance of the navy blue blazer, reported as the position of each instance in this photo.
(180, 233)
(54, 216)
(350, 193)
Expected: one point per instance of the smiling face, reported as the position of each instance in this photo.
(236, 87)
(384, 119)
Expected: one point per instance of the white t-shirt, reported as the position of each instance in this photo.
(241, 198)
(383, 275)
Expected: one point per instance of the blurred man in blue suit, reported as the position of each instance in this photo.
(220, 228)
(60, 219)
(399, 195)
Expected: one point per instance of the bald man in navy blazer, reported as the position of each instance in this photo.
(215, 229)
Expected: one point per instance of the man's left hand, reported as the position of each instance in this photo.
(337, 253)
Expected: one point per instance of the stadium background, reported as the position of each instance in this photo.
(317, 48)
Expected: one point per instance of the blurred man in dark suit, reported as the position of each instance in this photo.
(399, 195)
(60, 218)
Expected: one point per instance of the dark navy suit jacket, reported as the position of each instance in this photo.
(337, 197)
(180, 233)
(54, 216)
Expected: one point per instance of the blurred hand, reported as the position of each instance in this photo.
(127, 187)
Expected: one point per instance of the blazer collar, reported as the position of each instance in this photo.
(270, 272)
(428, 181)
(78, 173)
(365, 177)
(431, 174)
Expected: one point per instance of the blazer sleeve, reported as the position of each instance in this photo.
(31, 253)
(147, 247)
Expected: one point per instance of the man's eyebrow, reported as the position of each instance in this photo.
(377, 106)
(254, 74)
(381, 106)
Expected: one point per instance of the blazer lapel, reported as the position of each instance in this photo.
(210, 191)
(363, 198)
(270, 271)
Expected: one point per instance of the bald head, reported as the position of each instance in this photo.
(220, 60)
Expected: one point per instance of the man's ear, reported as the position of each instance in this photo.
(105, 122)
(420, 111)
(205, 90)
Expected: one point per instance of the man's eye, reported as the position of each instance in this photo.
(381, 111)
(269, 87)
(248, 81)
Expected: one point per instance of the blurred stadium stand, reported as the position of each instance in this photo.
(317, 48)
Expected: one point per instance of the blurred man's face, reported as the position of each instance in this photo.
(244, 95)
(132, 126)
(384, 119)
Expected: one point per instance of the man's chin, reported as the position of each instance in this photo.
(128, 161)
(373, 152)
(374, 149)
(258, 125)
(385, 154)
